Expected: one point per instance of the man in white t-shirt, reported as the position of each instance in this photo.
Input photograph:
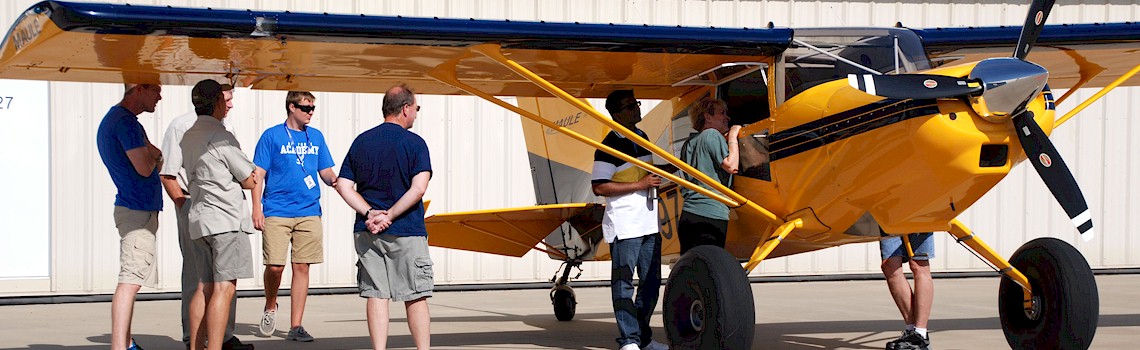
(630, 226)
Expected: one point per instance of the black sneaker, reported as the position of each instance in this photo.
(914, 341)
(894, 344)
(234, 344)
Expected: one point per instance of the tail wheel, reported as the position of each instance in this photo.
(708, 302)
(1065, 304)
(564, 303)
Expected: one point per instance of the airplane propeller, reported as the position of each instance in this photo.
(914, 86)
(999, 89)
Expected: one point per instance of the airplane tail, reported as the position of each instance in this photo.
(561, 167)
(560, 171)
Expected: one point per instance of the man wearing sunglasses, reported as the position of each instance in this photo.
(290, 158)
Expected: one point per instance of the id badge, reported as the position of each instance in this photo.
(309, 181)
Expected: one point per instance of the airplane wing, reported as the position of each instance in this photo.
(110, 43)
(510, 232)
(1099, 53)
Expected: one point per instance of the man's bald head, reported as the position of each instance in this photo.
(396, 98)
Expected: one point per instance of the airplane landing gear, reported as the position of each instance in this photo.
(562, 296)
(564, 302)
(1065, 305)
(708, 302)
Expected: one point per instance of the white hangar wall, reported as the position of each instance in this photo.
(480, 159)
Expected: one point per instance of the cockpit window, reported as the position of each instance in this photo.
(887, 51)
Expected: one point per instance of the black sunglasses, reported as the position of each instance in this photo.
(306, 109)
(417, 107)
(632, 105)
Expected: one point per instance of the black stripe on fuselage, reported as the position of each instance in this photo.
(812, 135)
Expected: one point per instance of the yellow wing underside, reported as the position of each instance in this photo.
(509, 232)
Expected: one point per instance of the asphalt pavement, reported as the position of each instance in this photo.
(799, 315)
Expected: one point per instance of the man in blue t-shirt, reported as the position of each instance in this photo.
(383, 178)
(133, 162)
(290, 157)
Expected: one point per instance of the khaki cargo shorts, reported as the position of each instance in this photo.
(136, 246)
(305, 234)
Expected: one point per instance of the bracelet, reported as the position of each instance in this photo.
(368, 211)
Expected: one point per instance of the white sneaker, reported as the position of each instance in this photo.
(268, 323)
(630, 346)
(654, 345)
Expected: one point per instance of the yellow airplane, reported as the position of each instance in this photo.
(850, 132)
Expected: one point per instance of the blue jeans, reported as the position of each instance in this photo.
(633, 313)
(921, 243)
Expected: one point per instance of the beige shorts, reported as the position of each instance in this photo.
(136, 246)
(304, 233)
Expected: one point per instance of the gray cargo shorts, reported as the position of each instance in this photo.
(223, 257)
(393, 267)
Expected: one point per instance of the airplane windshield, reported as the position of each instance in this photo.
(831, 54)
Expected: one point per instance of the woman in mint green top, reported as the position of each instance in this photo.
(713, 151)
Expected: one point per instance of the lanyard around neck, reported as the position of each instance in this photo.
(296, 149)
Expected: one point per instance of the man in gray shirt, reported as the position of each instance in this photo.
(177, 188)
(217, 170)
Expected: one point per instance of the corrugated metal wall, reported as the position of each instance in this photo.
(480, 159)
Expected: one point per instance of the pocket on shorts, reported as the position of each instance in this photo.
(146, 251)
(424, 276)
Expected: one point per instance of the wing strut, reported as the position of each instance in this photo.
(1096, 96)
(446, 73)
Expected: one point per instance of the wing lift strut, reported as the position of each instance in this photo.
(447, 73)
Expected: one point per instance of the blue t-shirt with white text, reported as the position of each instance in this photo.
(382, 162)
(119, 132)
(288, 156)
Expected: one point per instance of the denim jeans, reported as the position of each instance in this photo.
(633, 313)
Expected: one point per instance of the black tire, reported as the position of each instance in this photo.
(708, 302)
(1066, 295)
(564, 304)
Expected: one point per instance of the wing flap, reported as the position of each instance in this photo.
(509, 232)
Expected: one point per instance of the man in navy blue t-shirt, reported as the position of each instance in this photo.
(291, 158)
(383, 178)
(133, 162)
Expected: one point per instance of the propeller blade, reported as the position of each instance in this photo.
(914, 86)
(1054, 172)
(1034, 23)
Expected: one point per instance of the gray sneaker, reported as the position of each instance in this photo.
(298, 333)
(268, 323)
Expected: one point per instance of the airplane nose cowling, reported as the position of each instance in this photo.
(1007, 83)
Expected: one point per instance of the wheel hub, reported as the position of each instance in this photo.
(697, 315)
(1033, 308)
